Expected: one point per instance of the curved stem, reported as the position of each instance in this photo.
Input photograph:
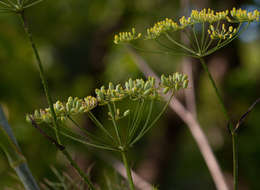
(41, 71)
(128, 170)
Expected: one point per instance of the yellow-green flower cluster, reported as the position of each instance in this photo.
(207, 15)
(140, 89)
(133, 89)
(111, 94)
(126, 36)
(160, 27)
(72, 107)
(239, 15)
(174, 82)
(222, 34)
(204, 16)
(184, 22)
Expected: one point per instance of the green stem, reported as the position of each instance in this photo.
(98, 124)
(233, 132)
(94, 138)
(114, 124)
(41, 71)
(180, 45)
(136, 123)
(205, 67)
(80, 172)
(235, 160)
(128, 170)
(47, 94)
(202, 35)
(152, 123)
(196, 39)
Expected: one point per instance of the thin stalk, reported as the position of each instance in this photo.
(146, 123)
(152, 123)
(196, 39)
(81, 140)
(5, 4)
(94, 138)
(191, 41)
(176, 50)
(114, 124)
(202, 35)
(98, 124)
(180, 45)
(235, 160)
(205, 67)
(233, 132)
(134, 127)
(80, 172)
(128, 170)
(41, 71)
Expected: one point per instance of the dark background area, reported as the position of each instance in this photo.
(75, 40)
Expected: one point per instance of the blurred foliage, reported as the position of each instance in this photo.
(75, 39)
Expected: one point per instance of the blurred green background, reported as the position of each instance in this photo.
(75, 40)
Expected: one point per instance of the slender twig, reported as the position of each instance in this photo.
(243, 117)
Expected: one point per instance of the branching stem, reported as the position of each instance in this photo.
(233, 132)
